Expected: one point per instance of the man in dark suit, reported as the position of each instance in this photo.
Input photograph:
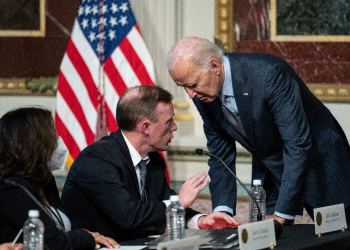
(299, 151)
(108, 189)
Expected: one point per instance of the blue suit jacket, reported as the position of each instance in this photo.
(292, 136)
(101, 192)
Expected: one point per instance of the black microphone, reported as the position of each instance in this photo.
(201, 152)
(3, 180)
(277, 225)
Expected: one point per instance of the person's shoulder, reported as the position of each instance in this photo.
(110, 150)
(102, 147)
(157, 159)
(104, 142)
(17, 182)
(254, 56)
(259, 62)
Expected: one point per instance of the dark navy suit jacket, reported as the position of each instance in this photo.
(292, 136)
(15, 204)
(101, 193)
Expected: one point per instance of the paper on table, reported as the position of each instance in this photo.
(125, 248)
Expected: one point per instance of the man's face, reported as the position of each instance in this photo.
(161, 132)
(205, 85)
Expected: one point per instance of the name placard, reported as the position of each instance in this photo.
(329, 219)
(188, 243)
(257, 235)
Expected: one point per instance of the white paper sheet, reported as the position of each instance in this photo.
(125, 248)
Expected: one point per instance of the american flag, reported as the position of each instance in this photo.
(105, 55)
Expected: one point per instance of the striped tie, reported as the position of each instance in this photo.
(232, 117)
(142, 166)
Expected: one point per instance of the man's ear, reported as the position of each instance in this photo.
(215, 65)
(144, 126)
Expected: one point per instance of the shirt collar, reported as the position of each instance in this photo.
(135, 156)
(227, 88)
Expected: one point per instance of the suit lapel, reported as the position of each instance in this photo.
(243, 97)
(243, 94)
(129, 166)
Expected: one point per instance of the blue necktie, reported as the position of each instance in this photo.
(142, 166)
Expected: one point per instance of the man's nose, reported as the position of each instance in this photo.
(191, 93)
(174, 126)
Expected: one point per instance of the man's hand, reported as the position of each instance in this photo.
(8, 246)
(275, 217)
(217, 220)
(190, 189)
(100, 239)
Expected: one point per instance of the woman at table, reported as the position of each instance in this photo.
(29, 151)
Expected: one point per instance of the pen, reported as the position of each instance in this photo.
(153, 236)
(19, 234)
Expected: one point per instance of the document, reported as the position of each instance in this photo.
(125, 248)
(209, 238)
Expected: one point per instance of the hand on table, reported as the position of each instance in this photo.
(190, 189)
(275, 217)
(8, 246)
(100, 239)
(217, 220)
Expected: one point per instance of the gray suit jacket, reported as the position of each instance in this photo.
(293, 137)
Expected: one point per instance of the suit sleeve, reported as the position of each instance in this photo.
(189, 213)
(283, 99)
(223, 187)
(18, 203)
(167, 191)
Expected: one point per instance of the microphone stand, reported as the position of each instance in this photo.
(201, 152)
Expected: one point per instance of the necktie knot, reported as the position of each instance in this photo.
(223, 100)
(224, 103)
(142, 165)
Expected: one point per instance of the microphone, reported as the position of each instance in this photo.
(3, 180)
(277, 225)
(201, 152)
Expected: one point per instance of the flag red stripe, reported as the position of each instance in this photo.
(83, 72)
(137, 27)
(68, 138)
(69, 96)
(135, 63)
(114, 77)
(111, 122)
(166, 168)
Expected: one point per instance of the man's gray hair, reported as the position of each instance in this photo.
(200, 50)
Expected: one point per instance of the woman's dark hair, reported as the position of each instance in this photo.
(27, 140)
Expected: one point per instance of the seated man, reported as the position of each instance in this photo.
(103, 191)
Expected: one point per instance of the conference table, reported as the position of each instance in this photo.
(303, 237)
(300, 236)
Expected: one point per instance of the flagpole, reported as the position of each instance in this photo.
(101, 124)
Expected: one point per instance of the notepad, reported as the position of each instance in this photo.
(209, 238)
